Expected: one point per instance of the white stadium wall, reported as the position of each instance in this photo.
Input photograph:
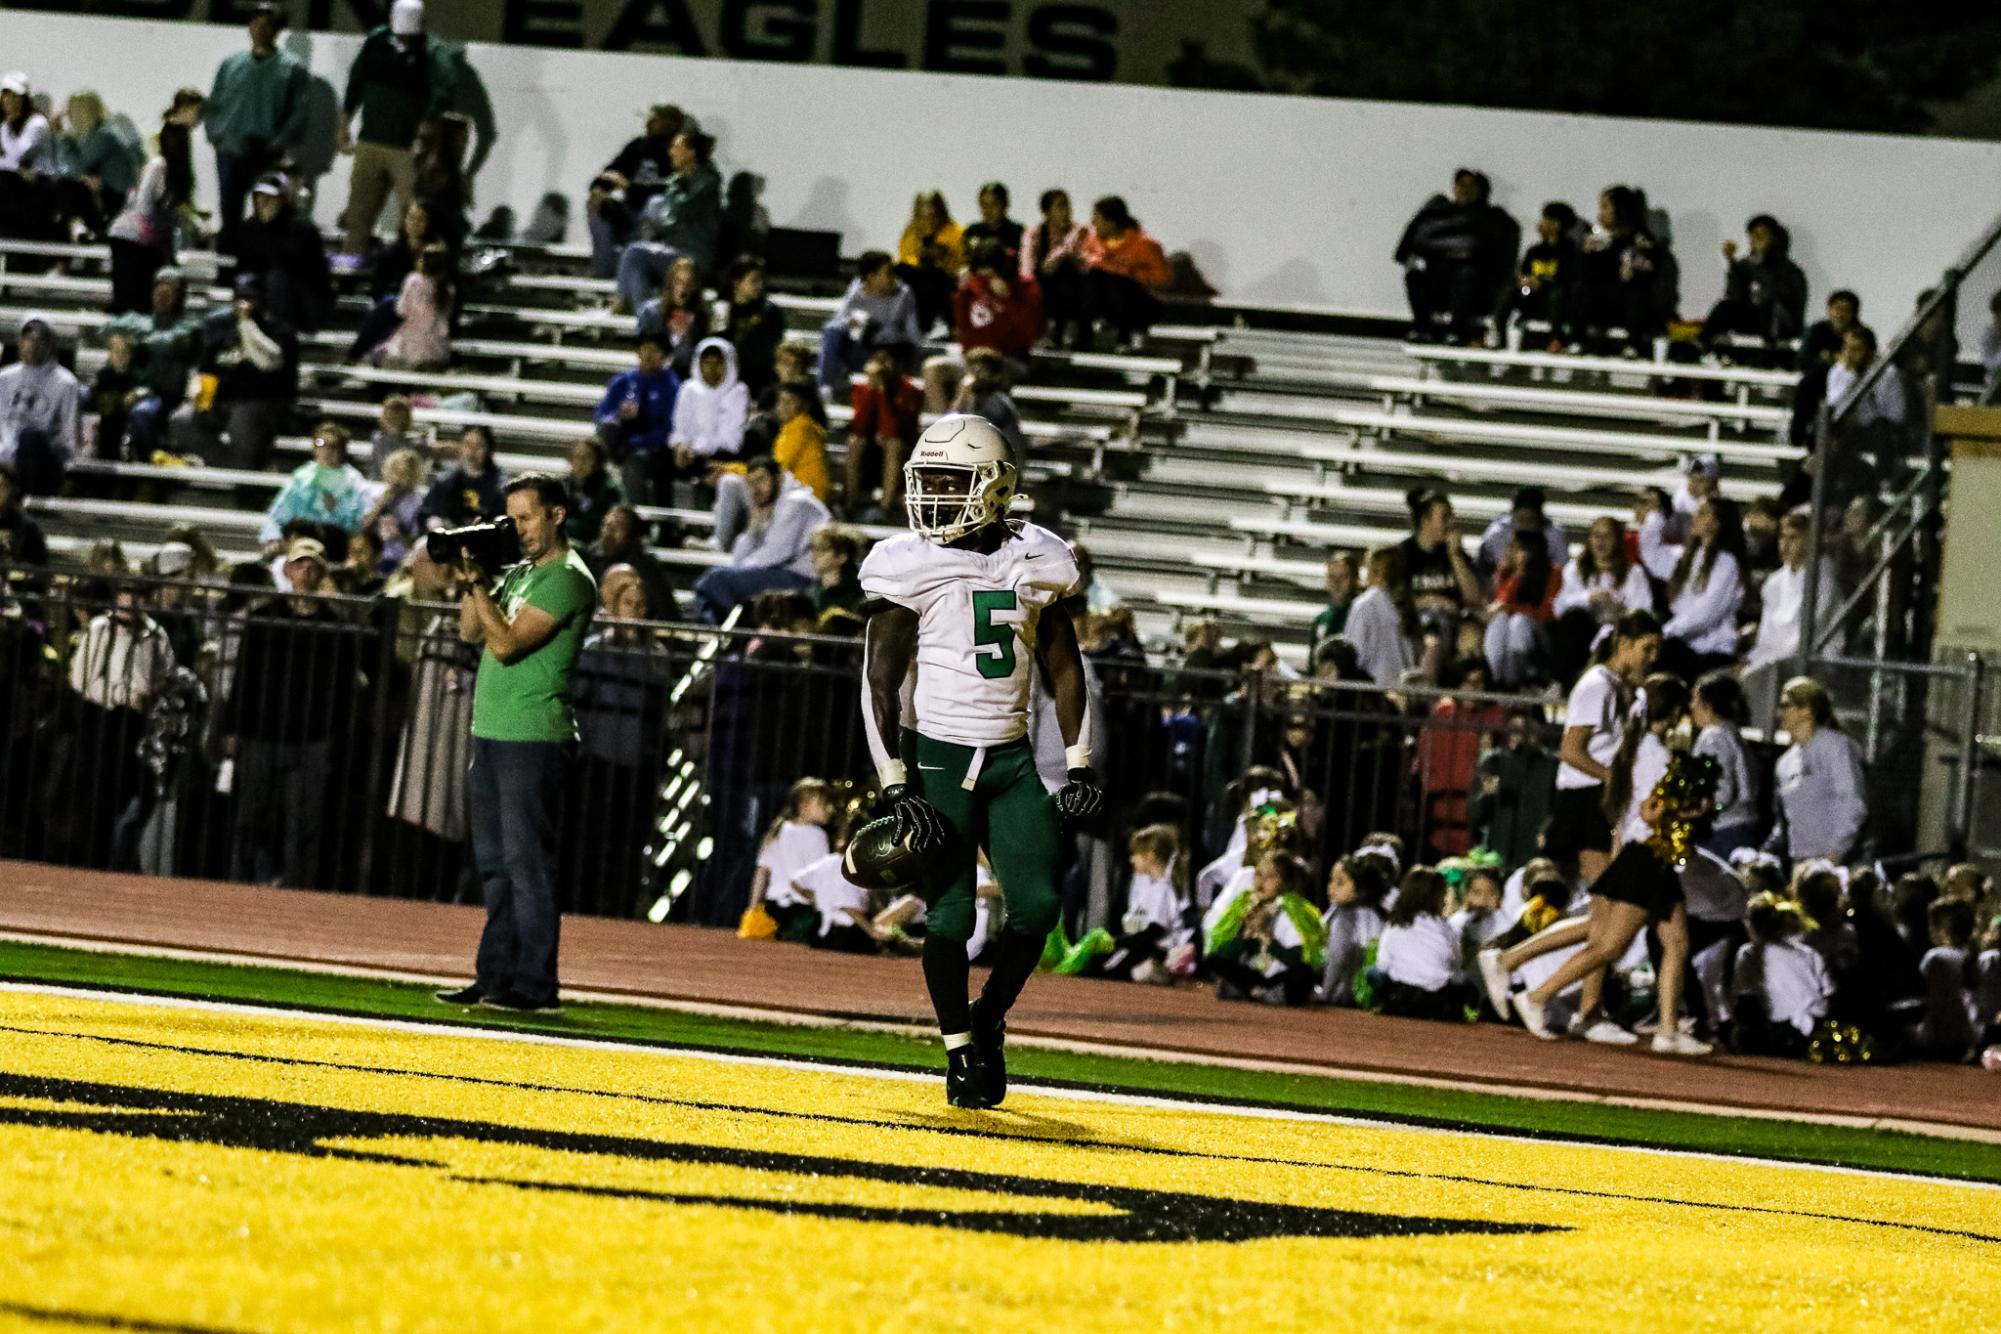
(1281, 200)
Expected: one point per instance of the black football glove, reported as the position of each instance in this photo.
(918, 824)
(1081, 797)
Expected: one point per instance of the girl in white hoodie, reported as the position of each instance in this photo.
(709, 411)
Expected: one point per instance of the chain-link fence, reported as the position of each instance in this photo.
(249, 734)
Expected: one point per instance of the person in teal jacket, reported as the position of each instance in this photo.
(329, 490)
(256, 116)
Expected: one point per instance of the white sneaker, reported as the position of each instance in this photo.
(1680, 1044)
(1532, 1017)
(1495, 979)
(1610, 1034)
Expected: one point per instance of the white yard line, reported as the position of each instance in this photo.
(904, 1076)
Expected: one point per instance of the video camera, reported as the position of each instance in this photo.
(492, 545)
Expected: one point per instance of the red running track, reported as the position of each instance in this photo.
(691, 964)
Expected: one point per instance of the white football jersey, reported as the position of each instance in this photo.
(976, 622)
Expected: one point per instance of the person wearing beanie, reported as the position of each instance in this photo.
(255, 116)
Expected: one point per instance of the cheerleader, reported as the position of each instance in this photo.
(1781, 983)
(1418, 961)
(1642, 884)
(1156, 921)
(1270, 941)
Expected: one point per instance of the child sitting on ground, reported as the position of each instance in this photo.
(1947, 1031)
(1156, 917)
(1269, 943)
(1356, 889)
(845, 922)
(1781, 986)
(796, 840)
(1477, 920)
(1418, 962)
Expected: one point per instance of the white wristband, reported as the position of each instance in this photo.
(891, 773)
(1077, 757)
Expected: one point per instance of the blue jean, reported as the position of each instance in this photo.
(729, 586)
(608, 230)
(516, 798)
(841, 356)
(642, 268)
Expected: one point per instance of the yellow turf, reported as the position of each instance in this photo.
(123, 1197)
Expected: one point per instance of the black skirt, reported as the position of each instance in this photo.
(1638, 876)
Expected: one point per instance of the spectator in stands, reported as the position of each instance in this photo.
(1764, 296)
(1125, 272)
(1705, 584)
(800, 445)
(470, 491)
(996, 226)
(679, 316)
(996, 307)
(883, 424)
(622, 541)
(1443, 583)
(253, 359)
(142, 235)
(836, 553)
(396, 513)
(709, 413)
(1701, 478)
(329, 490)
(283, 247)
(635, 419)
(1545, 286)
(1343, 582)
(1525, 584)
(1052, 253)
(930, 256)
(984, 393)
(392, 264)
(257, 112)
(877, 308)
(21, 540)
(168, 345)
(99, 168)
(1383, 622)
(684, 220)
(1720, 712)
(1599, 586)
(1818, 784)
(123, 661)
(1455, 255)
(297, 679)
(774, 550)
(399, 80)
(1525, 514)
(755, 325)
(26, 151)
(620, 192)
(422, 339)
(1783, 599)
(594, 490)
(1820, 348)
(113, 391)
(40, 409)
(395, 428)
(1884, 405)
(1625, 275)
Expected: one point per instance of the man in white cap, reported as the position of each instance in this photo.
(399, 80)
(39, 413)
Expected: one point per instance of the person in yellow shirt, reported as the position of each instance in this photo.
(931, 257)
(801, 443)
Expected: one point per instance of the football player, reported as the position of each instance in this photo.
(960, 611)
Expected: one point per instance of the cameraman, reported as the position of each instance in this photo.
(523, 742)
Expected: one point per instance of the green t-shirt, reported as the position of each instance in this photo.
(530, 700)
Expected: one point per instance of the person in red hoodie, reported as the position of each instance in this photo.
(1125, 270)
(887, 405)
(994, 307)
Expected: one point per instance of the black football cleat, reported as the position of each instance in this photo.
(966, 1079)
(990, 1041)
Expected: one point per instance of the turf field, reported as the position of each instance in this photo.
(173, 1163)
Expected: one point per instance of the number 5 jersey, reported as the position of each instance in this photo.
(976, 633)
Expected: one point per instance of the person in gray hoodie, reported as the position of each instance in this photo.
(877, 309)
(39, 412)
(774, 549)
(1818, 783)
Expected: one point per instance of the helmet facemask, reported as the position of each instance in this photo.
(946, 501)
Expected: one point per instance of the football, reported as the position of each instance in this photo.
(875, 860)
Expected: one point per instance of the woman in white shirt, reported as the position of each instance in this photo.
(1599, 586)
(1719, 711)
(1382, 624)
(1705, 579)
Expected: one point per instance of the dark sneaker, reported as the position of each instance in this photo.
(966, 1079)
(990, 1040)
(463, 996)
(516, 1003)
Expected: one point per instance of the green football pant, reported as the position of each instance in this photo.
(1008, 813)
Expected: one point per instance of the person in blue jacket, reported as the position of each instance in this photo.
(635, 419)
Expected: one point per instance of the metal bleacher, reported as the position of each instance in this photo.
(1227, 459)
